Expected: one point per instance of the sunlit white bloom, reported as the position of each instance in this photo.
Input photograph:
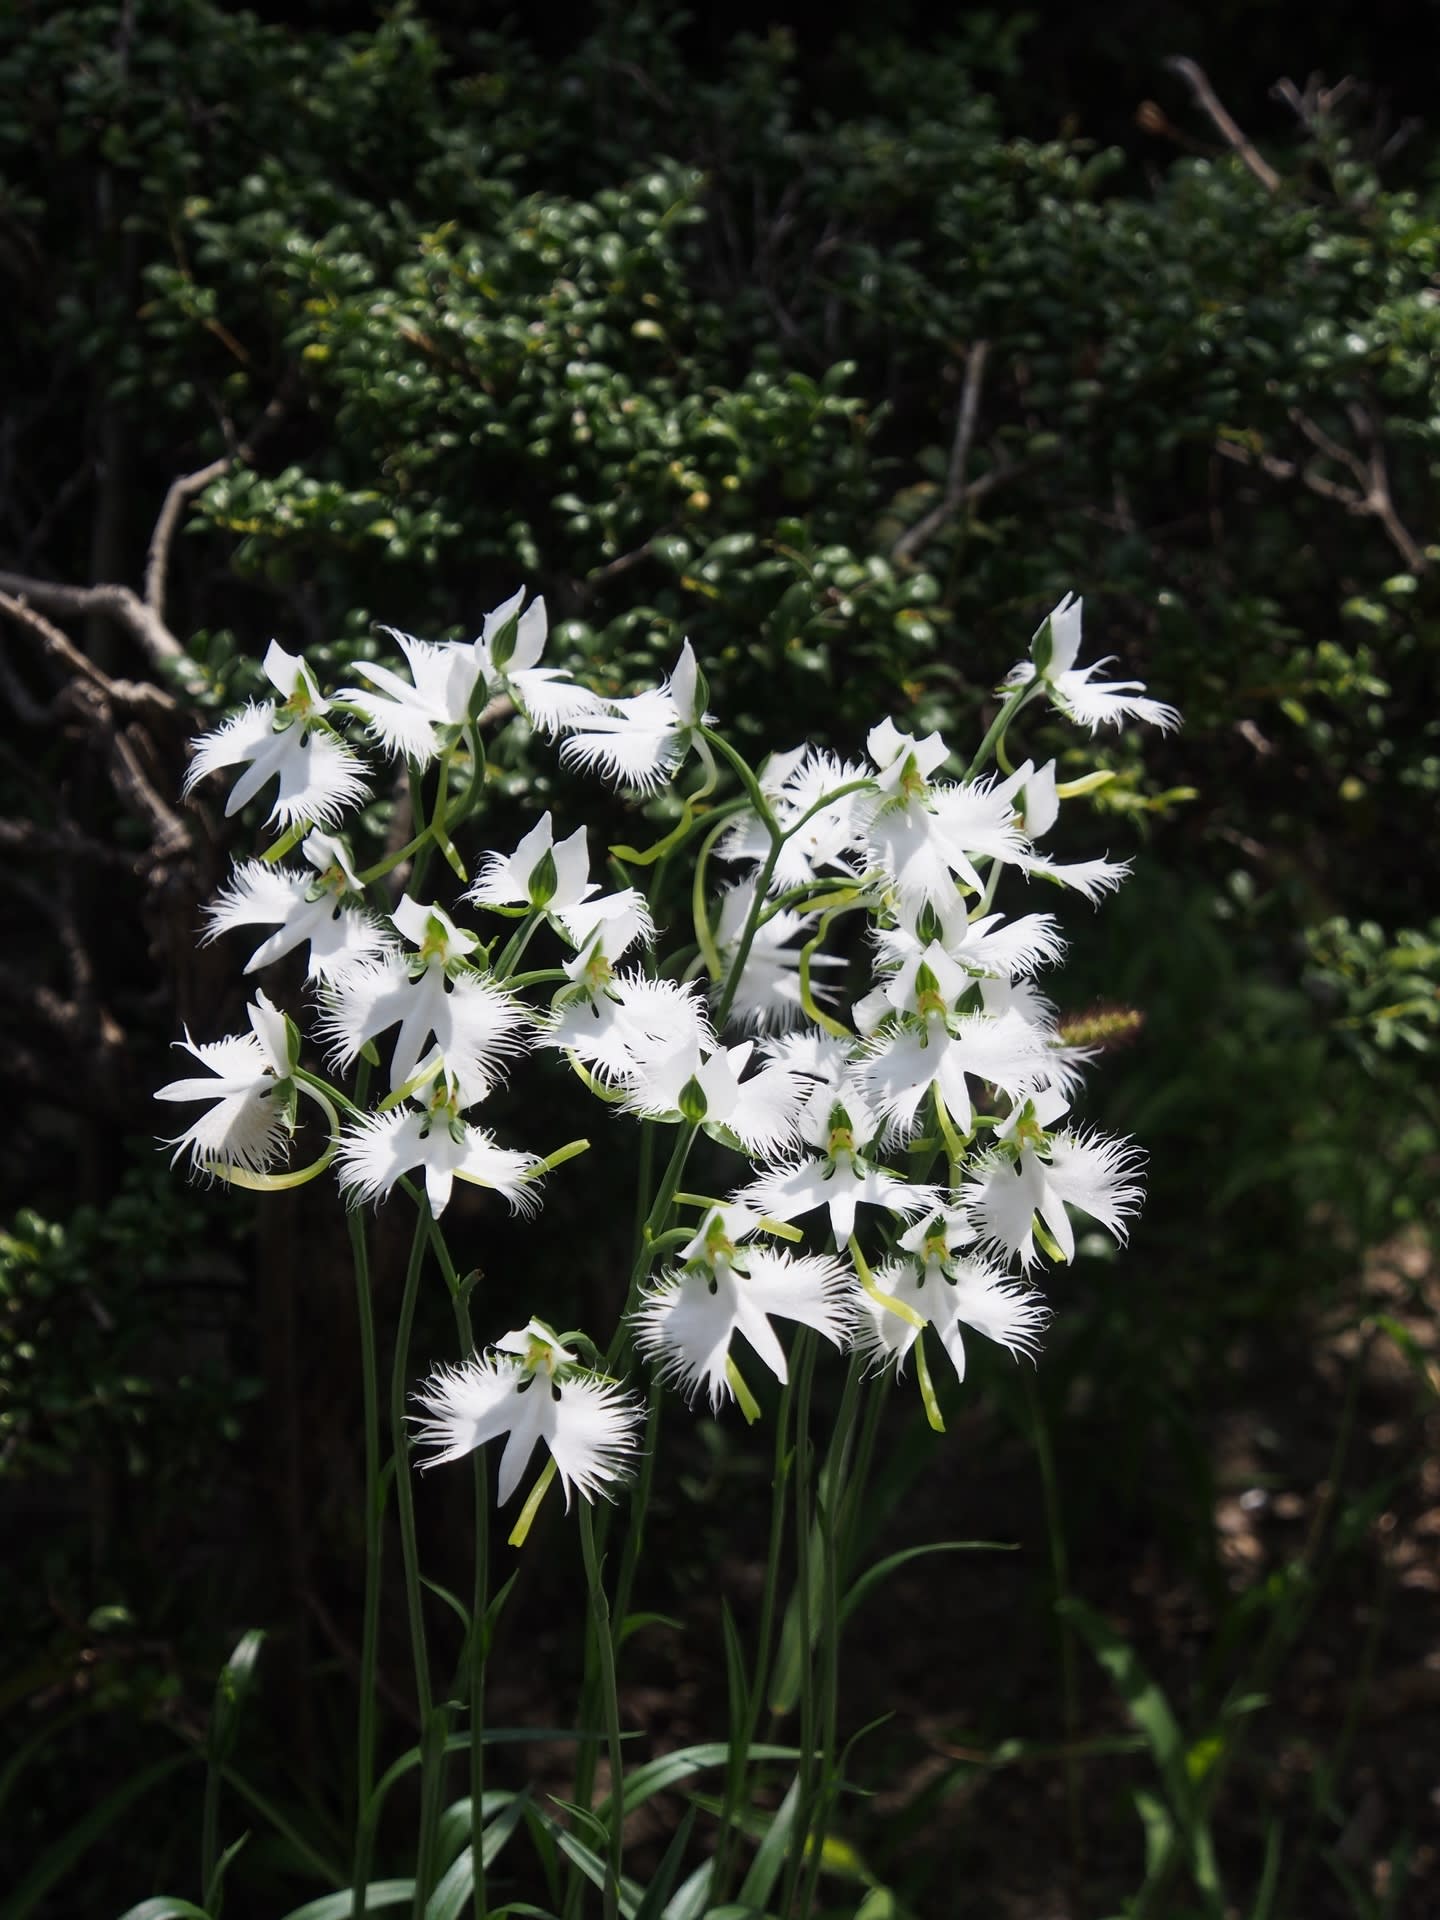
(950, 1295)
(408, 717)
(796, 784)
(632, 1021)
(921, 836)
(542, 872)
(989, 947)
(509, 650)
(640, 741)
(683, 1084)
(1075, 690)
(1012, 1191)
(902, 1062)
(533, 1390)
(687, 1323)
(476, 1025)
(605, 927)
(301, 907)
(1093, 878)
(1036, 800)
(249, 1121)
(318, 775)
(767, 995)
(384, 1146)
(841, 1182)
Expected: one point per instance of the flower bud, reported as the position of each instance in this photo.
(543, 880)
(693, 1103)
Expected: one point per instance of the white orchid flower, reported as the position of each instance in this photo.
(1024, 1189)
(408, 717)
(688, 1322)
(476, 1025)
(301, 907)
(318, 776)
(533, 1391)
(509, 650)
(641, 740)
(948, 1294)
(1075, 690)
(431, 1135)
(249, 1121)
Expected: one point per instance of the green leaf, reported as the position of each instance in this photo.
(671, 1768)
(1152, 1714)
(759, 1882)
(872, 1576)
(165, 1906)
(232, 1689)
(667, 1873)
(58, 1859)
(338, 1906)
(637, 1622)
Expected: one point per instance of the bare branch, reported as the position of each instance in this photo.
(178, 496)
(125, 693)
(956, 492)
(1206, 97)
(184, 489)
(119, 603)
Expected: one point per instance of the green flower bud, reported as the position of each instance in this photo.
(543, 880)
(693, 1103)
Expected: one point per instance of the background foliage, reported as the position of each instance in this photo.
(845, 357)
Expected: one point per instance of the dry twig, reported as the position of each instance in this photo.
(956, 492)
(1206, 97)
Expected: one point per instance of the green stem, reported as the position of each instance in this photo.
(736, 1801)
(365, 1737)
(210, 1827)
(600, 1629)
(834, 1483)
(480, 1595)
(804, 1378)
(405, 1503)
(1000, 723)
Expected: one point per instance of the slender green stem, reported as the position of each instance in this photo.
(365, 1737)
(834, 1482)
(600, 1629)
(1000, 724)
(736, 1801)
(405, 1503)
(804, 1544)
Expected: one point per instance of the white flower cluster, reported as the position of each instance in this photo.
(925, 1118)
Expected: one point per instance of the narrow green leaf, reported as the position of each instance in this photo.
(872, 1576)
(667, 1873)
(657, 1775)
(233, 1687)
(213, 1893)
(456, 1606)
(164, 1906)
(637, 1623)
(759, 1882)
(454, 1829)
(338, 1906)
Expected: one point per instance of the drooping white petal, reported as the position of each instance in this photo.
(589, 1425)
(384, 1146)
(688, 1322)
(787, 1191)
(245, 1125)
(637, 741)
(967, 1292)
(261, 895)
(476, 1025)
